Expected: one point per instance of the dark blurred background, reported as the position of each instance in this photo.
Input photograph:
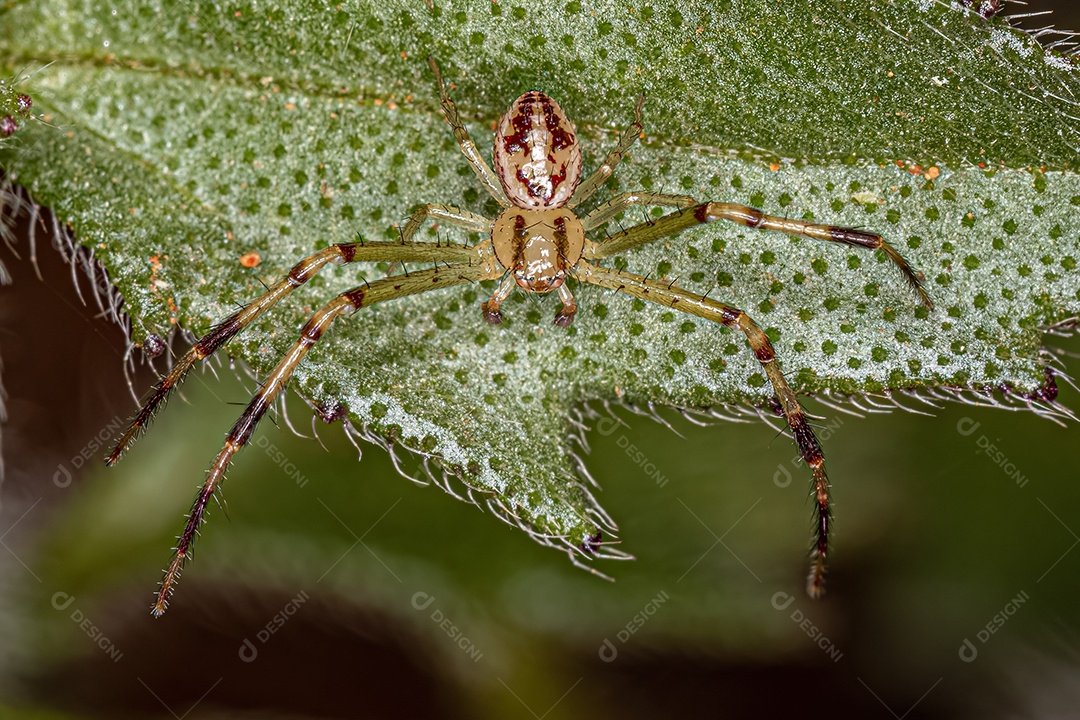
(338, 589)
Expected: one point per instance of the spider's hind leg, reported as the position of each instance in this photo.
(809, 448)
(446, 213)
(590, 184)
(605, 211)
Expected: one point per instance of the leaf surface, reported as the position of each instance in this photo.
(179, 139)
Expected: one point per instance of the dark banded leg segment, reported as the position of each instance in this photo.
(360, 251)
(276, 381)
(589, 185)
(468, 148)
(687, 302)
(750, 217)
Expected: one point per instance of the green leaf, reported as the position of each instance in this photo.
(177, 142)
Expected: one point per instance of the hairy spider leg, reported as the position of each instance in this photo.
(452, 215)
(590, 184)
(676, 222)
(361, 251)
(468, 148)
(605, 211)
(350, 301)
(677, 298)
(455, 216)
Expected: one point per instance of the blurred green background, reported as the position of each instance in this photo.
(339, 589)
(336, 588)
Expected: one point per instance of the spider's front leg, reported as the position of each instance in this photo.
(309, 267)
(275, 382)
(677, 298)
(468, 148)
(592, 183)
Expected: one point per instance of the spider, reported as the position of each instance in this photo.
(534, 244)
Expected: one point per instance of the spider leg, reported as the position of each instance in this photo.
(468, 147)
(750, 217)
(361, 251)
(679, 299)
(590, 184)
(448, 213)
(275, 382)
(605, 211)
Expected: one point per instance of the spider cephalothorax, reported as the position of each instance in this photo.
(535, 244)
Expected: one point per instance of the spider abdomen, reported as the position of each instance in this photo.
(537, 157)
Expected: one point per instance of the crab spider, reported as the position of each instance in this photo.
(534, 244)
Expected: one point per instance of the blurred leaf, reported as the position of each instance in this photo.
(180, 140)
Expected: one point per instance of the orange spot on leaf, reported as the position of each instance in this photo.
(250, 260)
